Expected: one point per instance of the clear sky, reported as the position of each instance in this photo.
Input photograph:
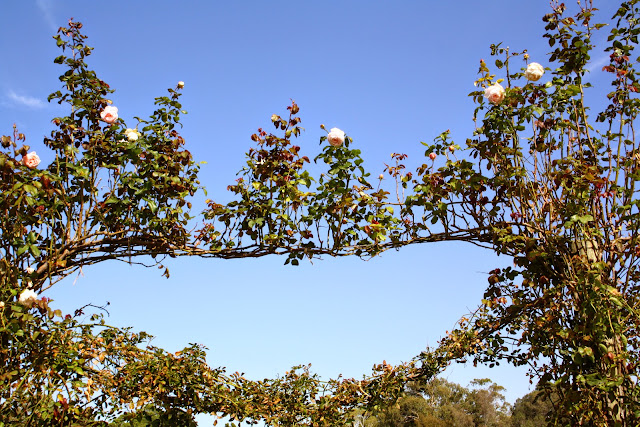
(390, 74)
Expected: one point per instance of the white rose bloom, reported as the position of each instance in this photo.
(29, 270)
(132, 134)
(1, 305)
(336, 137)
(180, 85)
(27, 297)
(534, 71)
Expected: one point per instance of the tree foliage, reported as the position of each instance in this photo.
(532, 409)
(442, 403)
(548, 179)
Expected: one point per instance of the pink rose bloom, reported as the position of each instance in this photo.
(495, 93)
(109, 114)
(336, 137)
(534, 71)
(31, 160)
(27, 297)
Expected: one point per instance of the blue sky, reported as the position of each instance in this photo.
(390, 74)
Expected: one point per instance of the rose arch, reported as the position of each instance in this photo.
(543, 180)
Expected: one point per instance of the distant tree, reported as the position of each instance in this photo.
(153, 417)
(409, 411)
(488, 405)
(449, 402)
(531, 410)
(443, 403)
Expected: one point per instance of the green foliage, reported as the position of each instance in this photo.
(442, 403)
(532, 409)
(148, 416)
(539, 181)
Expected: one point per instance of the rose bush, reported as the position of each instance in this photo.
(539, 181)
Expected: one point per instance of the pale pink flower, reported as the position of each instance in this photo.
(534, 71)
(31, 160)
(28, 298)
(495, 93)
(336, 137)
(109, 114)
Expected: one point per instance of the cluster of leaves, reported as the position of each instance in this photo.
(436, 403)
(58, 219)
(539, 182)
(278, 212)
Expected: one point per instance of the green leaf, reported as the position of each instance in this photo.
(573, 90)
(34, 250)
(582, 218)
(30, 188)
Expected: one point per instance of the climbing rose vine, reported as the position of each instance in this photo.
(544, 179)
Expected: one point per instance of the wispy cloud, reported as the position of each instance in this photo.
(46, 9)
(25, 101)
(596, 64)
